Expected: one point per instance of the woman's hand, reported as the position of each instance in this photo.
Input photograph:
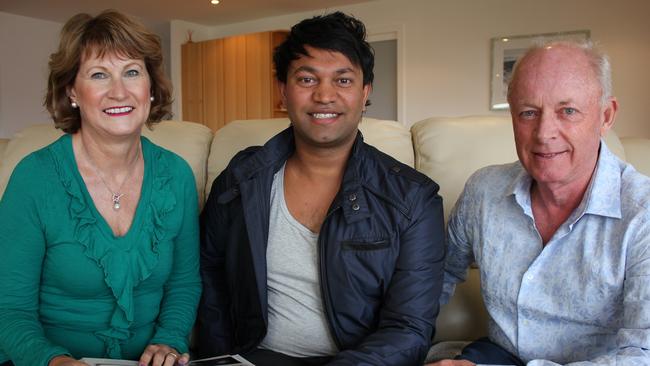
(65, 361)
(162, 355)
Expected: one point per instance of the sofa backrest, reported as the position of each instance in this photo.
(448, 150)
(637, 153)
(22, 144)
(3, 147)
(390, 137)
(187, 139)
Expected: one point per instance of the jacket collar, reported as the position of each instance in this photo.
(351, 197)
(275, 151)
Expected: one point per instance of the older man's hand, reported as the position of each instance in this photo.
(451, 363)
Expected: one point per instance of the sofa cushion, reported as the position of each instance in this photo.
(187, 139)
(637, 151)
(450, 149)
(464, 318)
(388, 136)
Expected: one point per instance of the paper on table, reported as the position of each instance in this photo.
(108, 362)
(225, 360)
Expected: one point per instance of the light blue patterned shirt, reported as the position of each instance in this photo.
(582, 299)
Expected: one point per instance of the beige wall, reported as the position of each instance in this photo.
(446, 47)
(26, 44)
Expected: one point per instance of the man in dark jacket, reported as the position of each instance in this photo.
(316, 247)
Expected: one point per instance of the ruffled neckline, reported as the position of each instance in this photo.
(128, 260)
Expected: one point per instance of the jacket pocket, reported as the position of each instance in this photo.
(365, 245)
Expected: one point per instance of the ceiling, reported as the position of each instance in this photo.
(155, 11)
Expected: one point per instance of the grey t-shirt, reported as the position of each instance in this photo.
(297, 324)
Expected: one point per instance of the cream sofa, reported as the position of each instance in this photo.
(446, 149)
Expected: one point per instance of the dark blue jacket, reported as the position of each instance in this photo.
(381, 251)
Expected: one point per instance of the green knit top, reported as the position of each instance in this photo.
(69, 286)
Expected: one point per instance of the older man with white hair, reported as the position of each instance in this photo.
(562, 236)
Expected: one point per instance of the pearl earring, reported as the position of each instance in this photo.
(151, 98)
(74, 105)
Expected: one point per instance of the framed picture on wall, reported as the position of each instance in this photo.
(506, 51)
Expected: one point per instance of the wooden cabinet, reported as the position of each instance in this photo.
(192, 76)
(231, 78)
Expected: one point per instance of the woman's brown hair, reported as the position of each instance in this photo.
(110, 32)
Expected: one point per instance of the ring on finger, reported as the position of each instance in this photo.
(171, 354)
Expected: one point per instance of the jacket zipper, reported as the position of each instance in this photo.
(325, 294)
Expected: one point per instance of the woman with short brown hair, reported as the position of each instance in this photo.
(99, 230)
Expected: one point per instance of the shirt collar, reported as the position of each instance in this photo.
(520, 188)
(603, 196)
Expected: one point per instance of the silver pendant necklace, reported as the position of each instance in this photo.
(116, 199)
(116, 196)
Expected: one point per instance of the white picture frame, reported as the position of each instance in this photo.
(506, 50)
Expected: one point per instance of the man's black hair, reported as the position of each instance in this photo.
(335, 32)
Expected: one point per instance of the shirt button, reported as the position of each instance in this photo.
(355, 207)
(396, 169)
(530, 277)
(352, 197)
